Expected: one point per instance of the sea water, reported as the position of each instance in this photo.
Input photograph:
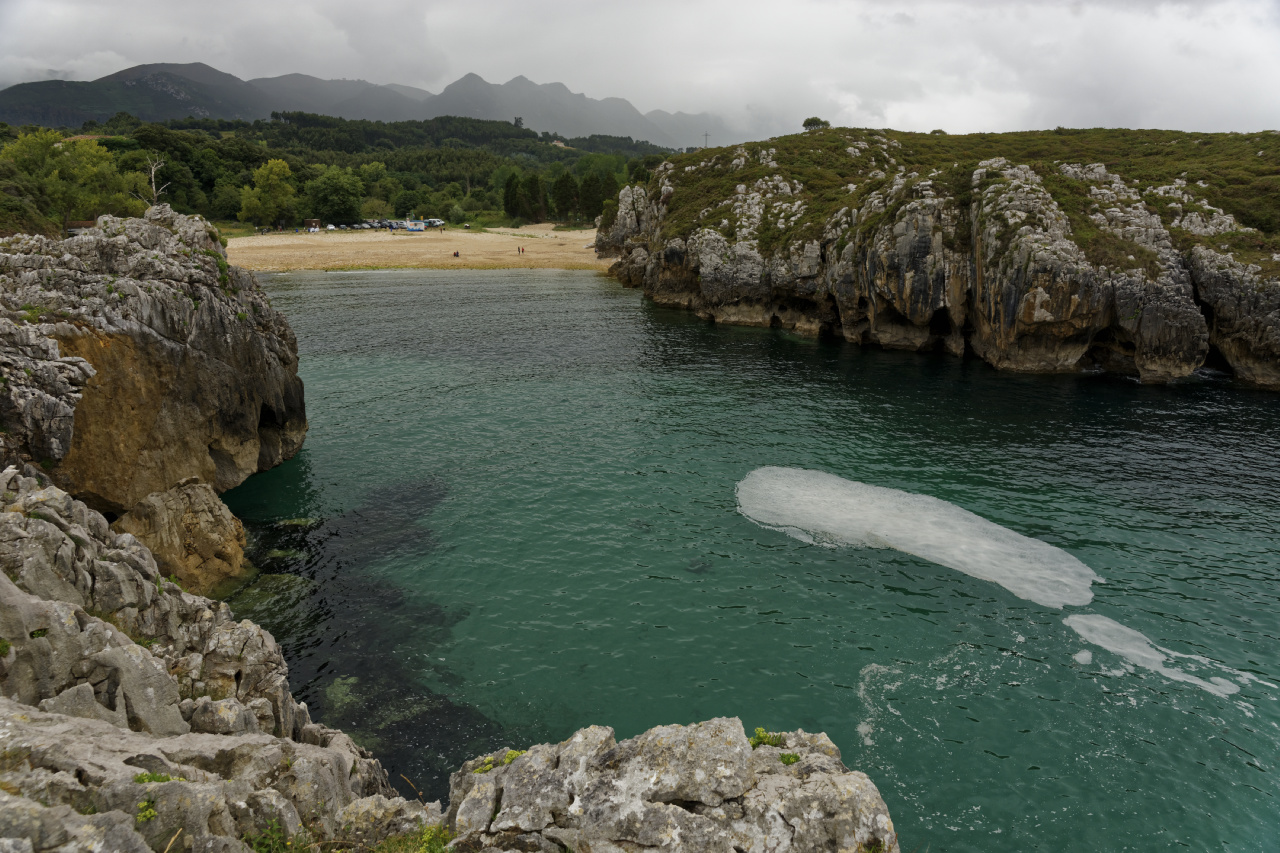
(1040, 612)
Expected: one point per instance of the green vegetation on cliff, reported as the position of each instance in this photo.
(1238, 173)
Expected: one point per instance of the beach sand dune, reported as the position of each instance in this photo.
(495, 249)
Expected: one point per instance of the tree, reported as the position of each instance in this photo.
(151, 190)
(814, 123)
(73, 180)
(511, 196)
(590, 196)
(533, 198)
(271, 197)
(376, 208)
(336, 195)
(608, 188)
(564, 195)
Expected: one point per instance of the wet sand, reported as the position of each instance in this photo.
(496, 249)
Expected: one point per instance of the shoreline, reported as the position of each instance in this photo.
(342, 251)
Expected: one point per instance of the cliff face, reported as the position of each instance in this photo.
(133, 357)
(157, 712)
(1062, 267)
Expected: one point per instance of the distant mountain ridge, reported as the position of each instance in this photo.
(162, 91)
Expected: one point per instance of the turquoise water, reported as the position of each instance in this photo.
(515, 516)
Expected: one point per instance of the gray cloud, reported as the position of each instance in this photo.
(962, 66)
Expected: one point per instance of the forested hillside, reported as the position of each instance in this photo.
(298, 166)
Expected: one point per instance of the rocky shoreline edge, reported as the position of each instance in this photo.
(142, 375)
(979, 261)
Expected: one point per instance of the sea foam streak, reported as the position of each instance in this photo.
(1134, 647)
(812, 505)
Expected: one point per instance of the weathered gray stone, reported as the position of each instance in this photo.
(79, 701)
(676, 788)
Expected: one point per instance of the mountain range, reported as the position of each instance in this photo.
(161, 91)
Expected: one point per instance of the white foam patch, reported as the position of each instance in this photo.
(1136, 648)
(1084, 657)
(814, 506)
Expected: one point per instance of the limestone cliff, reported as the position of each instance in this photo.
(157, 711)
(133, 357)
(1053, 268)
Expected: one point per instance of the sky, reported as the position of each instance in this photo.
(958, 65)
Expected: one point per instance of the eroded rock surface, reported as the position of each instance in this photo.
(675, 788)
(191, 534)
(109, 671)
(989, 264)
(134, 357)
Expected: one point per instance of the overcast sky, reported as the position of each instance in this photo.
(993, 65)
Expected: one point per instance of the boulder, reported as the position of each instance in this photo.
(191, 534)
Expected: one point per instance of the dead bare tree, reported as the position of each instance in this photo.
(151, 193)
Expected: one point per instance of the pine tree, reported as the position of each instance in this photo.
(511, 197)
(591, 196)
(564, 195)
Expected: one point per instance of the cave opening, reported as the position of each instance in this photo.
(832, 323)
(1216, 360)
(940, 323)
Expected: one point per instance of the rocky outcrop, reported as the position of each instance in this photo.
(133, 357)
(703, 787)
(191, 534)
(133, 709)
(983, 260)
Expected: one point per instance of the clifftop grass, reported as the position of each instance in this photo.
(843, 167)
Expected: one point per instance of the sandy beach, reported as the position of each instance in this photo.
(495, 249)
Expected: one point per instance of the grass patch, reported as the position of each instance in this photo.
(430, 839)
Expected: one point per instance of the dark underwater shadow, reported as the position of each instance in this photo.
(357, 645)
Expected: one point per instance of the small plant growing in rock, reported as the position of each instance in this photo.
(146, 778)
(4, 647)
(512, 755)
(485, 766)
(788, 758)
(38, 633)
(147, 811)
(270, 840)
(764, 738)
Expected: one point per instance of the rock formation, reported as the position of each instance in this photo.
(703, 788)
(191, 534)
(156, 710)
(133, 357)
(981, 259)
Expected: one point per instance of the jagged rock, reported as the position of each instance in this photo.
(133, 676)
(191, 534)
(220, 786)
(144, 312)
(910, 265)
(88, 593)
(367, 821)
(1245, 315)
(675, 788)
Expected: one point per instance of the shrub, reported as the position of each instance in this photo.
(764, 738)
